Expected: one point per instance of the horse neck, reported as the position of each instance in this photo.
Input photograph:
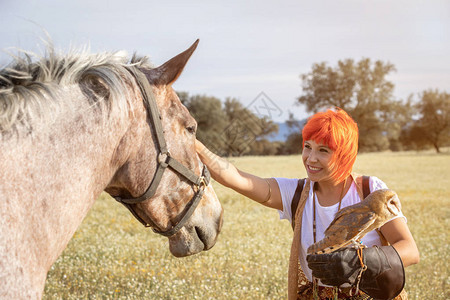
(50, 179)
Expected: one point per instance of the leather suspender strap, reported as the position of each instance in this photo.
(365, 186)
(296, 199)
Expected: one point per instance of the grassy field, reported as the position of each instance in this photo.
(112, 256)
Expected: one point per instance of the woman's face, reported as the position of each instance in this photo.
(316, 158)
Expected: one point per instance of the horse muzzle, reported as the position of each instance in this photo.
(202, 230)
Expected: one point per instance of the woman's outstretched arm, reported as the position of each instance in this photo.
(261, 190)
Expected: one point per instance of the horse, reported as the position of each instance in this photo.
(75, 124)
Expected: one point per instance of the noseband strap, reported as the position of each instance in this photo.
(165, 160)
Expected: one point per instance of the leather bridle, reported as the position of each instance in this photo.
(164, 160)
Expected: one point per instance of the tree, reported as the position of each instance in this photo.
(244, 128)
(361, 89)
(267, 127)
(293, 143)
(228, 129)
(211, 119)
(184, 97)
(263, 147)
(412, 138)
(397, 117)
(434, 118)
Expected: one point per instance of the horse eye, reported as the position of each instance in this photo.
(191, 129)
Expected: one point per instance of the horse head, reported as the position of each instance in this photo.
(162, 180)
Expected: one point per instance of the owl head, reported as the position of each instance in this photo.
(385, 202)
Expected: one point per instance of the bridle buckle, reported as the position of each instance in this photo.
(202, 184)
(163, 158)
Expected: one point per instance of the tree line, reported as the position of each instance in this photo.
(361, 88)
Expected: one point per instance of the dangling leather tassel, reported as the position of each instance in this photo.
(363, 268)
(315, 288)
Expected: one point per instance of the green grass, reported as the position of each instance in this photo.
(112, 256)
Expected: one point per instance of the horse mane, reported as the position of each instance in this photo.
(29, 88)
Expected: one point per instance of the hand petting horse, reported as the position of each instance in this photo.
(74, 125)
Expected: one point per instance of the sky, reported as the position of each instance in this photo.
(253, 51)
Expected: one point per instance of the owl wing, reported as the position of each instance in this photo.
(347, 215)
(348, 224)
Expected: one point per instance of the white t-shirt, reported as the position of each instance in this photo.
(324, 214)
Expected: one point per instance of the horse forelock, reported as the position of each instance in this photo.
(29, 85)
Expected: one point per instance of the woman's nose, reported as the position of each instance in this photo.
(312, 157)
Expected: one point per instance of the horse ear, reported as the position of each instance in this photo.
(168, 72)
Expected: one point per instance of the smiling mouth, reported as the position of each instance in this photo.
(314, 169)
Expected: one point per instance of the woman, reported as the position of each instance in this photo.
(330, 141)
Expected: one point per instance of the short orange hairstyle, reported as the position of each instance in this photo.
(336, 129)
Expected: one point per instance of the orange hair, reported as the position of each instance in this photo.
(337, 130)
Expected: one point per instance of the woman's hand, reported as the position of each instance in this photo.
(199, 147)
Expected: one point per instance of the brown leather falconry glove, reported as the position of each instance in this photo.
(384, 277)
